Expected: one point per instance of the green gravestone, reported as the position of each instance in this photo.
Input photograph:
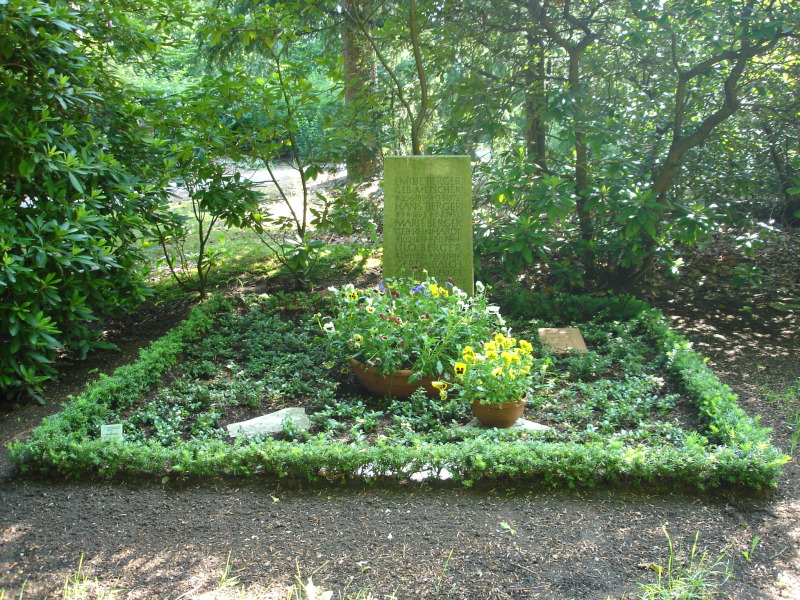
(427, 218)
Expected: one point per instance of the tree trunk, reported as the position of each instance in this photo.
(585, 220)
(360, 78)
(575, 51)
(418, 121)
(536, 103)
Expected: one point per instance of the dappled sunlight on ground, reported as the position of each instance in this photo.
(787, 583)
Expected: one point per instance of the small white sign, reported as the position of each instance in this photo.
(108, 432)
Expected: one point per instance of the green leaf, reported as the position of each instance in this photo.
(38, 357)
(75, 183)
(527, 254)
(26, 167)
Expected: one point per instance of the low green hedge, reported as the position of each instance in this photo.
(731, 449)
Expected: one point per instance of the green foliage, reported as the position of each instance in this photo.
(561, 308)
(277, 112)
(250, 360)
(612, 405)
(184, 407)
(604, 159)
(334, 418)
(409, 324)
(77, 184)
(80, 420)
(422, 414)
(195, 147)
(747, 276)
(348, 212)
(525, 225)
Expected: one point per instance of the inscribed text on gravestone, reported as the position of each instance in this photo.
(428, 217)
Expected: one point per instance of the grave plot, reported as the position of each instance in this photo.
(637, 405)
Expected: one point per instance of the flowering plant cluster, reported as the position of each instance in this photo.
(410, 324)
(501, 370)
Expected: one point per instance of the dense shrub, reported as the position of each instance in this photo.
(560, 308)
(74, 188)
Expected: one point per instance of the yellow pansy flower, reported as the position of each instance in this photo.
(460, 369)
(468, 353)
(497, 371)
(525, 347)
(510, 357)
(442, 387)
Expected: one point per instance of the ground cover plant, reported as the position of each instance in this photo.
(640, 405)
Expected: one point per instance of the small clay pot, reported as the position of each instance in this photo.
(500, 414)
(395, 384)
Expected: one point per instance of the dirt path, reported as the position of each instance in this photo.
(161, 541)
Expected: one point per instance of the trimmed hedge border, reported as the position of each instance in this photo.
(733, 448)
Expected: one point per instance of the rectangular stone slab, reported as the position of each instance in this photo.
(427, 218)
(563, 339)
(271, 423)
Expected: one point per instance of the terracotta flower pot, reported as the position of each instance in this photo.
(501, 414)
(395, 384)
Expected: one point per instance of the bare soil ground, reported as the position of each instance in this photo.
(172, 540)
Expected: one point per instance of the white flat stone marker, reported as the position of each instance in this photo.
(519, 425)
(272, 423)
(563, 339)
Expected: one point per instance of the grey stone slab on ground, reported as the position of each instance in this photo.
(563, 339)
(271, 423)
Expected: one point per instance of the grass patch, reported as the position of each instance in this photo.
(640, 406)
(688, 574)
(238, 256)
